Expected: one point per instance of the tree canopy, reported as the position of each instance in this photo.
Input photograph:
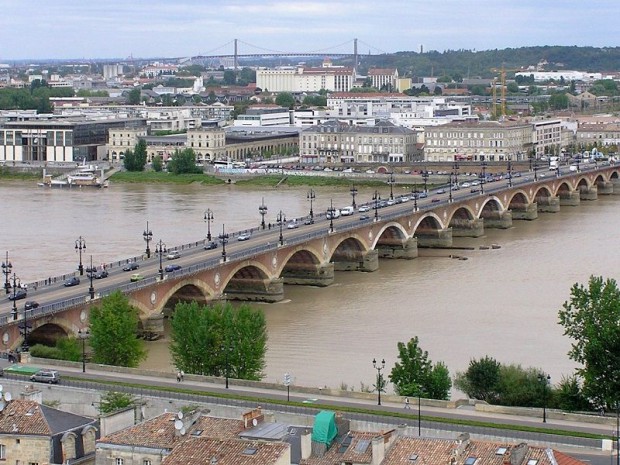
(285, 99)
(210, 340)
(183, 162)
(481, 380)
(135, 160)
(113, 332)
(591, 318)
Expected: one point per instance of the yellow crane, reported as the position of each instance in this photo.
(502, 77)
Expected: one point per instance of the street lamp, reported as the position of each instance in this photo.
(16, 284)
(535, 171)
(379, 385)
(450, 188)
(262, 209)
(25, 345)
(311, 196)
(391, 182)
(160, 249)
(419, 411)
(331, 210)
(455, 167)
(226, 349)
(80, 244)
(281, 218)
(425, 176)
(353, 191)
(545, 380)
(483, 176)
(148, 237)
(509, 172)
(376, 198)
(208, 219)
(6, 270)
(83, 335)
(91, 275)
(223, 239)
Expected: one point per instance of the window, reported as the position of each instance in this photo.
(120, 461)
(146, 462)
(2, 452)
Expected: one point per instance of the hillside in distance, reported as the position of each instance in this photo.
(470, 63)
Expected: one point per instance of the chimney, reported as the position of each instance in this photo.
(517, 454)
(401, 430)
(32, 393)
(378, 450)
(306, 444)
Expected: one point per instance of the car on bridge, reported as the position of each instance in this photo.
(170, 268)
(131, 266)
(244, 236)
(18, 294)
(292, 225)
(101, 274)
(30, 304)
(136, 277)
(72, 281)
(173, 254)
(309, 221)
(363, 208)
(210, 245)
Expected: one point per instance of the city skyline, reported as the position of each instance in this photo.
(71, 29)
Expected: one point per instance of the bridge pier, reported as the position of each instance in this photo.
(605, 188)
(569, 199)
(435, 238)
(498, 220)
(256, 290)
(407, 249)
(309, 274)
(588, 193)
(368, 261)
(548, 204)
(524, 211)
(154, 324)
(467, 228)
(616, 186)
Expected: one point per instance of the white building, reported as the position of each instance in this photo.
(306, 79)
(558, 75)
(264, 116)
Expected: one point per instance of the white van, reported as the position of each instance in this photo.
(333, 214)
(347, 211)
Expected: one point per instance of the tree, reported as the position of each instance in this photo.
(183, 162)
(230, 78)
(521, 387)
(133, 98)
(481, 380)
(135, 160)
(113, 332)
(157, 163)
(219, 340)
(415, 374)
(113, 401)
(591, 318)
(285, 99)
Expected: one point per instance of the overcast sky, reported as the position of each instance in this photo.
(179, 28)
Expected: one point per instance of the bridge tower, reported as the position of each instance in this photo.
(355, 54)
(235, 57)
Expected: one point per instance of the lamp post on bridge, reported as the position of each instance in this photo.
(311, 196)
(16, 284)
(331, 211)
(91, 275)
(83, 335)
(455, 167)
(545, 379)
(353, 191)
(224, 240)
(379, 385)
(450, 188)
(391, 182)
(281, 218)
(80, 244)
(483, 176)
(535, 171)
(376, 199)
(509, 171)
(148, 237)
(262, 210)
(425, 177)
(208, 217)
(160, 249)
(415, 197)
(6, 270)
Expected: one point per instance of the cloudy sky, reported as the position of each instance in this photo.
(178, 28)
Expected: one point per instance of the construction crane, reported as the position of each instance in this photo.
(502, 76)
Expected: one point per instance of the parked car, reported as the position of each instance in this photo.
(73, 281)
(244, 236)
(170, 268)
(131, 266)
(30, 304)
(136, 277)
(18, 294)
(173, 254)
(46, 376)
(210, 245)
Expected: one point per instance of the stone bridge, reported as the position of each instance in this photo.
(260, 273)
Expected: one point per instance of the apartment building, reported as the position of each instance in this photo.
(306, 79)
(383, 78)
(601, 135)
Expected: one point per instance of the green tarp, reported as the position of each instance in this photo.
(324, 430)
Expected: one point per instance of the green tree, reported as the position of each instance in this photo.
(209, 339)
(285, 99)
(521, 387)
(415, 373)
(230, 78)
(157, 163)
(113, 332)
(569, 395)
(134, 96)
(183, 162)
(481, 380)
(135, 160)
(113, 401)
(591, 318)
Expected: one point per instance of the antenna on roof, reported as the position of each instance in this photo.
(178, 425)
(8, 397)
(180, 415)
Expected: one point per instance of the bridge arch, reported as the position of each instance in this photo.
(490, 206)
(185, 290)
(563, 190)
(462, 213)
(252, 281)
(48, 332)
(389, 234)
(430, 220)
(518, 200)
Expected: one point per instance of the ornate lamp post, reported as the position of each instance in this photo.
(353, 191)
(226, 349)
(83, 335)
(376, 197)
(224, 240)
(160, 249)
(455, 167)
(6, 270)
(483, 176)
(16, 284)
(391, 182)
(311, 196)
(535, 171)
(80, 244)
(281, 219)
(262, 209)
(379, 385)
(91, 275)
(331, 211)
(208, 219)
(450, 188)
(425, 176)
(545, 380)
(415, 197)
(148, 237)
(509, 172)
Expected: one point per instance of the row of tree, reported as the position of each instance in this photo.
(181, 162)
